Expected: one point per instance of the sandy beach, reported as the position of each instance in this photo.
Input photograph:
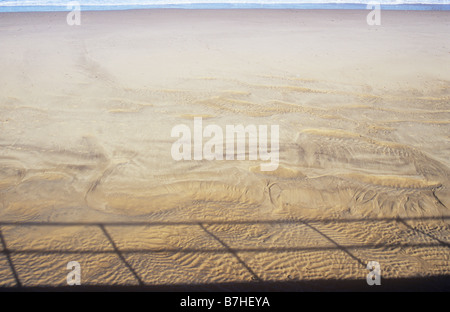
(86, 172)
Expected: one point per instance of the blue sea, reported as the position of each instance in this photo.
(95, 5)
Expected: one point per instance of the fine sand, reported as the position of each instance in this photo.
(86, 114)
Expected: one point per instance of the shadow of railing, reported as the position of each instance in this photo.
(441, 282)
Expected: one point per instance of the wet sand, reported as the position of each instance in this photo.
(86, 165)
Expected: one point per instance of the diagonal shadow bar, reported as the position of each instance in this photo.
(228, 248)
(7, 252)
(117, 251)
(422, 232)
(344, 249)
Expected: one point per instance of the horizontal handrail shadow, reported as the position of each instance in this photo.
(431, 283)
(222, 222)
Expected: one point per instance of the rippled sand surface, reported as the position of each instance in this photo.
(85, 158)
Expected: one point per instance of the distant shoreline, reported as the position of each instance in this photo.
(219, 6)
